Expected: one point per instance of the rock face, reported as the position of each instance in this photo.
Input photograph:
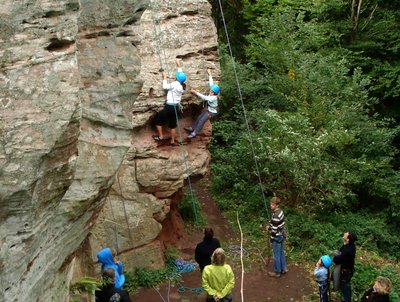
(79, 85)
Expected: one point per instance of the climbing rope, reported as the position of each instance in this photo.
(154, 5)
(114, 226)
(243, 107)
(194, 290)
(125, 212)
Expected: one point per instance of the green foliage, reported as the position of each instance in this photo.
(366, 273)
(318, 91)
(308, 110)
(143, 277)
(190, 210)
(318, 234)
(86, 285)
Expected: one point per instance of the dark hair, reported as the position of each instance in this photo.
(183, 86)
(108, 276)
(352, 237)
(208, 233)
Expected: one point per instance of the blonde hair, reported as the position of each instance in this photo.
(218, 257)
(276, 200)
(114, 252)
(383, 285)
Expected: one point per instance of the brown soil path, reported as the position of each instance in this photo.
(257, 285)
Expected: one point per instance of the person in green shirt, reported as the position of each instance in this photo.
(218, 279)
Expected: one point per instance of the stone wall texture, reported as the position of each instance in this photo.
(79, 170)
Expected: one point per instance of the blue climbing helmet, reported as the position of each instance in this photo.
(326, 260)
(181, 77)
(215, 88)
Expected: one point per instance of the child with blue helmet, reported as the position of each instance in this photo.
(321, 274)
(212, 107)
(168, 115)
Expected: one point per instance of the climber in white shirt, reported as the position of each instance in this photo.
(169, 115)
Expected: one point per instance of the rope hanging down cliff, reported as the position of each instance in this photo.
(243, 108)
(156, 21)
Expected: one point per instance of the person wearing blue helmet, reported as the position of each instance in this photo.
(212, 107)
(106, 258)
(321, 274)
(168, 115)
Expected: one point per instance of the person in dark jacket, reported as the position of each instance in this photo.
(108, 292)
(346, 257)
(379, 292)
(206, 248)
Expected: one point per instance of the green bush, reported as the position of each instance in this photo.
(144, 277)
(190, 210)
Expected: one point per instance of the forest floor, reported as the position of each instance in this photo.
(257, 285)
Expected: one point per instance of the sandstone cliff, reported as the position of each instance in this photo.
(79, 85)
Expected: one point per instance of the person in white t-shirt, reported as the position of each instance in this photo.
(169, 115)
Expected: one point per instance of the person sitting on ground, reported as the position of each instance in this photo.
(106, 258)
(346, 258)
(108, 292)
(169, 115)
(206, 248)
(321, 274)
(212, 110)
(218, 279)
(379, 292)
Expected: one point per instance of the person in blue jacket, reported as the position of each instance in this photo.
(106, 258)
(212, 107)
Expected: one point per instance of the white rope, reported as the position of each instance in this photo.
(241, 255)
(159, 294)
(243, 107)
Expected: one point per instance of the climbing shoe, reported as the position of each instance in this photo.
(188, 129)
(157, 138)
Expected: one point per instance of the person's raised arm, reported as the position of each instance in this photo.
(178, 64)
(210, 79)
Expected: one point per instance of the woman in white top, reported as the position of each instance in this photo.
(212, 107)
(169, 114)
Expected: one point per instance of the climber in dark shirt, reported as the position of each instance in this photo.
(205, 249)
(108, 292)
(346, 259)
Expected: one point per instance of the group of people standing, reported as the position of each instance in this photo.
(344, 260)
(169, 114)
(218, 279)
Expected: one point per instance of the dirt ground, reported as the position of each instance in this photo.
(257, 285)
